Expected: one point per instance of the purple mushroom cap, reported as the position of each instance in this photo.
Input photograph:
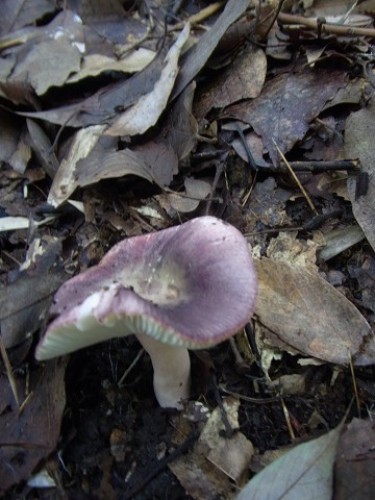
(192, 285)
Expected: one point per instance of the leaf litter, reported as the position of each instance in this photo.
(119, 120)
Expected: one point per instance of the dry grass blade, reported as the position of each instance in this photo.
(303, 191)
(9, 371)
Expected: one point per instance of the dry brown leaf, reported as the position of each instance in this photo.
(243, 79)
(286, 106)
(65, 182)
(209, 469)
(197, 57)
(42, 147)
(18, 13)
(161, 159)
(14, 149)
(95, 64)
(30, 436)
(104, 164)
(355, 462)
(180, 128)
(359, 143)
(306, 471)
(231, 455)
(47, 64)
(146, 112)
(196, 190)
(103, 105)
(304, 311)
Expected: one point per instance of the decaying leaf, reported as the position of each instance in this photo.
(180, 128)
(24, 302)
(304, 472)
(14, 149)
(359, 143)
(145, 113)
(355, 464)
(18, 13)
(286, 106)
(243, 79)
(197, 57)
(196, 190)
(95, 64)
(307, 313)
(215, 461)
(109, 164)
(30, 435)
(14, 223)
(42, 147)
(47, 64)
(339, 240)
(103, 106)
(64, 182)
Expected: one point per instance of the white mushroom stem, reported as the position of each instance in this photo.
(171, 371)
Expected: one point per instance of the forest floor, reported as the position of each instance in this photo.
(122, 118)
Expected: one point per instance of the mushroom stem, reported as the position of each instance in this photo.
(171, 371)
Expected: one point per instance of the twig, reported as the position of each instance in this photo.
(250, 157)
(321, 166)
(229, 431)
(218, 172)
(310, 225)
(323, 27)
(272, 399)
(160, 466)
(277, 14)
(202, 15)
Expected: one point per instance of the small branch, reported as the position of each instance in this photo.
(322, 27)
(320, 166)
(160, 465)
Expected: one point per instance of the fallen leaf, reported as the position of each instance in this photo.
(160, 158)
(304, 311)
(196, 190)
(232, 454)
(103, 106)
(15, 223)
(42, 147)
(104, 164)
(359, 143)
(304, 472)
(18, 13)
(286, 106)
(355, 462)
(24, 302)
(209, 469)
(339, 240)
(180, 128)
(14, 149)
(146, 112)
(197, 57)
(64, 182)
(95, 64)
(30, 435)
(46, 64)
(243, 79)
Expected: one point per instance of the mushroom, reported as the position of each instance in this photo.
(185, 287)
